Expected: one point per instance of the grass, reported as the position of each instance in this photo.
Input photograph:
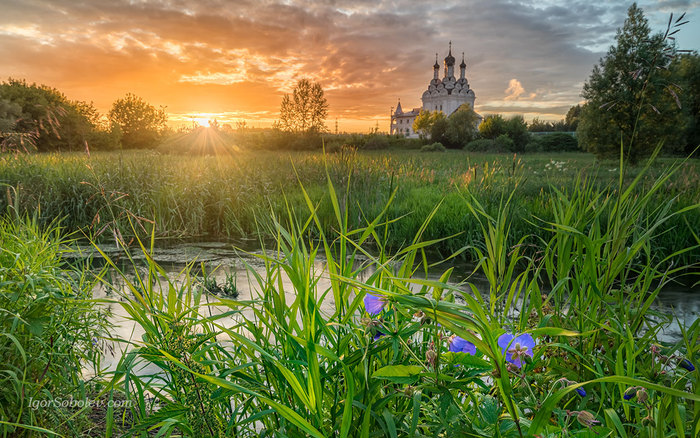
(297, 359)
(50, 330)
(228, 196)
(285, 366)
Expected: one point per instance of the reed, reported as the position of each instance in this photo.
(386, 350)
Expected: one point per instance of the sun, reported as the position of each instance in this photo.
(202, 121)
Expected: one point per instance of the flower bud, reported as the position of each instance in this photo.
(686, 364)
(648, 421)
(642, 395)
(409, 391)
(581, 391)
(586, 419)
(430, 357)
(630, 393)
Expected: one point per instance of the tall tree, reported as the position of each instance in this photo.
(461, 127)
(141, 123)
(630, 99)
(686, 71)
(305, 111)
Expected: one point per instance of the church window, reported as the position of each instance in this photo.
(440, 107)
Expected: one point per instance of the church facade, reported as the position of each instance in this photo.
(446, 95)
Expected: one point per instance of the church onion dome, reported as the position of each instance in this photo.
(449, 59)
(463, 64)
(436, 66)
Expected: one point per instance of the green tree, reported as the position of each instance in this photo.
(423, 124)
(438, 130)
(44, 119)
(538, 125)
(516, 129)
(461, 127)
(305, 111)
(572, 118)
(686, 72)
(140, 123)
(492, 126)
(629, 95)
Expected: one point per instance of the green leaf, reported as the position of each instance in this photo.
(468, 360)
(399, 373)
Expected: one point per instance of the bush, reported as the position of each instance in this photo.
(554, 142)
(50, 330)
(481, 145)
(435, 147)
(505, 143)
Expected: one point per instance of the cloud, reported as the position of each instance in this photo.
(239, 57)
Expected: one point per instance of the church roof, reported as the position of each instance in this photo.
(449, 59)
(463, 64)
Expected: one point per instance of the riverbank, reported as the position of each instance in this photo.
(235, 196)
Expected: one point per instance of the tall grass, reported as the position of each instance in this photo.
(50, 331)
(227, 196)
(298, 360)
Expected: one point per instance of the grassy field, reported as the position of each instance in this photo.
(394, 352)
(233, 196)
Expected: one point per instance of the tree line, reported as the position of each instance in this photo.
(41, 118)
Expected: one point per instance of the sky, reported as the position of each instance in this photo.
(234, 60)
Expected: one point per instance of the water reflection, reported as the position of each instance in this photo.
(681, 303)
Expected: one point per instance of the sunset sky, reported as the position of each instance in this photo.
(234, 60)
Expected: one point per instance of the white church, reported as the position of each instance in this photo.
(446, 95)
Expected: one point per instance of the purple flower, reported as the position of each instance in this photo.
(686, 364)
(374, 304)
(630, 393)
(378, 334)
(581, 392)
(515, 348)
(459, 345)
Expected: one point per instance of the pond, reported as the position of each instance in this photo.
(681, 302)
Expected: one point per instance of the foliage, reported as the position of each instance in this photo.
(425, 122)
(434, 147)
(306, 110)
(223, 196)
(630, 96)
(38, 117)
(50, 330)
(686, 70)
(384, 348)
(494, 126)
(141, 124)
(482, 145)
(572, 118)
(552, 142)
(461, 127)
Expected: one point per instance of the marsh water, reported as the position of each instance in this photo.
(220, 260)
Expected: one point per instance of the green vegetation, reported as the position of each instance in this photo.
(387, 351)
(41, 118)
(226, 196)
(140, 123)
(305, 111)
(50, 330)
(632, 96)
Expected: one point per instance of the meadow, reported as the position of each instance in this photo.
(400, 353)
(233, 196)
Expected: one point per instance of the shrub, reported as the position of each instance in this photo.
(481, 145)
(505, 143)
(554, 142)
(435, 147)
